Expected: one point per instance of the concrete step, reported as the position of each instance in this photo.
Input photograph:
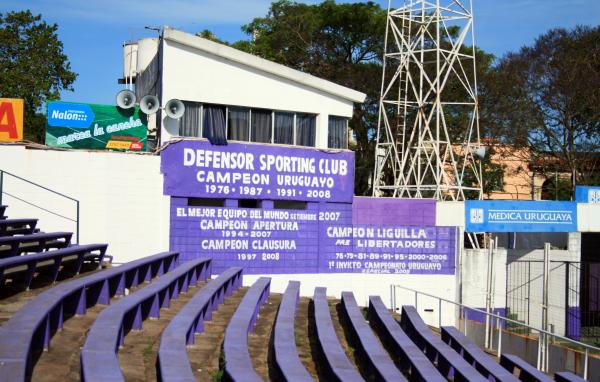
(138, 356)
(304, 335)
(334, 308)
(14, 296)
(259, 339)
(61, 361)
(205, 354)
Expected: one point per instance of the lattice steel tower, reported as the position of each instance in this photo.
(428, 129)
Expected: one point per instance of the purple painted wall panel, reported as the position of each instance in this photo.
(335, 232)
(393, 211)
(320, 239)
(195, 168)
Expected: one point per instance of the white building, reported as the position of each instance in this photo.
(233, 95)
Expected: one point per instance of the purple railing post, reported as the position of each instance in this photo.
(60, 315)
(81, 303)
(155, 307)
(121, 285)
(104, 295)
(47, 332)
(137, 318)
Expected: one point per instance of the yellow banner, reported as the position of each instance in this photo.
(11, 119)
(118, 145)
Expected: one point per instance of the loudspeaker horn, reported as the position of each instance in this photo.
(125, 99)
(175, 109)
(149, 104)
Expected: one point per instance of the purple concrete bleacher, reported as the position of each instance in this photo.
(31, 328)
(99, 360)
(449, 362)
(9, 227)
(409, 357)
(475, 356)
(374, 360)
(288, 366)
(11, 267)
(332, 360)
(172, 362)
(36, 242)
(567, 376)
(238, 366)
(527, 372)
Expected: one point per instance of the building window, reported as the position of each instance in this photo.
(189, 125)
(337, 137)
(261, 126)
(284, 128)
(238, 124)
(305, 130)
(219, 123)
(214, 126)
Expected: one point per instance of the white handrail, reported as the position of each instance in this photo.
(545, 333)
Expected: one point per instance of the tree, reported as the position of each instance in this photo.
(547, 97)
(342, 43)
(32, 66)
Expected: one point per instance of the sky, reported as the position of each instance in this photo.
(93, 31)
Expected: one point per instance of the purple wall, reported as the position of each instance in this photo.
(333, 232)
(319, 239)
(393, 211)
(253, 171)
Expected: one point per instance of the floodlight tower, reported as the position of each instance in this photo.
(428, 129)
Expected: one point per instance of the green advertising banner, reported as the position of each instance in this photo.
(97, 127)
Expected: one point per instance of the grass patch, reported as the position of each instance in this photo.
(218, 376)
(148, 349)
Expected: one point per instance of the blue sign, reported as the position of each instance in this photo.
(587, 194)
(74, 115)
(520, 216)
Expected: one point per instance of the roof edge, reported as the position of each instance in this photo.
(261, 64)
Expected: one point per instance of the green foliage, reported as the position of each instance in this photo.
(557, 188)
(491, 172)
(546, 97)
(210, 36)
(218, 376)
(33, 66)
(342, 43)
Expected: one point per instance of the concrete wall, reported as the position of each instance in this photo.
(474, 273)
(122, 204)
(193, 75)
(588, 216)
(511, 278)
(120, 196)
(531, 293)
(365, 285)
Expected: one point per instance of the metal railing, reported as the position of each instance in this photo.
(75, 220)
(543, 339)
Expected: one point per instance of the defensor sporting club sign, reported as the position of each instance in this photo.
(520, 216)
(195, 168)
